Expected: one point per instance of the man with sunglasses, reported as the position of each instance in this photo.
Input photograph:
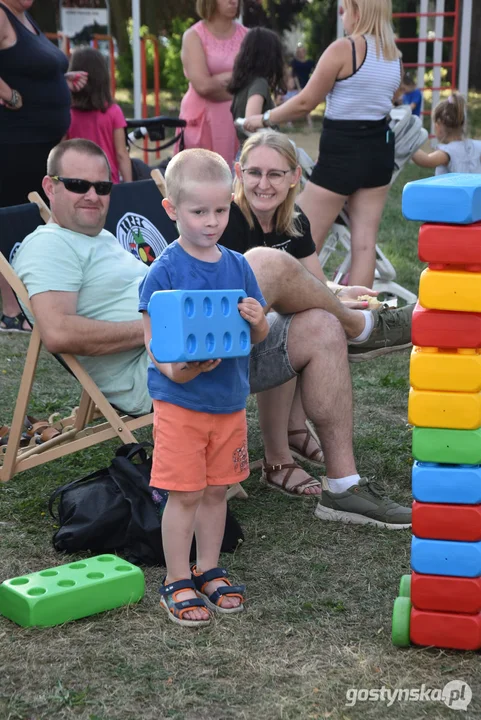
(84, 292)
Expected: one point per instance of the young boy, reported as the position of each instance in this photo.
(412, 96)
(200, 430)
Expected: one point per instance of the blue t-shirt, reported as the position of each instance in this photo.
(225, 389)
(415, 96)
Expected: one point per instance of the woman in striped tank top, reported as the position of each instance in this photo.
(358, 77)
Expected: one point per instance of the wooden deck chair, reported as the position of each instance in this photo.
(76, 431)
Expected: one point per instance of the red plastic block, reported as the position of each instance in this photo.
(436, 521)
(444, 329)
(450, 244)
(444, 593)
(446, 630)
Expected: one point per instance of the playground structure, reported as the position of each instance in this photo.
(440, 603)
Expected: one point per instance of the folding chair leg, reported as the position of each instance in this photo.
(7, 470)
(236, 491)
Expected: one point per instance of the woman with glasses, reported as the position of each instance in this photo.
(34, 116)
(264, 213)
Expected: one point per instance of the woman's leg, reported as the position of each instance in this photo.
(322, 208)
(297, 423)
(365, 212)
(274, 412)
(10, 306)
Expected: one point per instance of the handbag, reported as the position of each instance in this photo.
(116, 510)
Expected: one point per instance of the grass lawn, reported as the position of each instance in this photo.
(320, 595)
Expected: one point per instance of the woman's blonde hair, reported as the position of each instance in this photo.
(375, 18)
(205, 9)
(285, 219)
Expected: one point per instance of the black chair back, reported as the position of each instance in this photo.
(138, 220)
(16, 223)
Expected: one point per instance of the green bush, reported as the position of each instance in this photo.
(173, 76)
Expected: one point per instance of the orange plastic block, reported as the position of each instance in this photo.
(436, 521)
(450, 290)
(444, 329)
(450, 244)
(446, 630)
(456, 411)
(448, 370)
(446, 593)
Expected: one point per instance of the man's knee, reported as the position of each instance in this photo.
(315, 331)
(270, 262)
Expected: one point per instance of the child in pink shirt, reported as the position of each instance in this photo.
(94, 115)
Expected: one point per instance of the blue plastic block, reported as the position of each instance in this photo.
(446, 557)
(69, 592)
(197, 325)
(451, 198)
(452, 484)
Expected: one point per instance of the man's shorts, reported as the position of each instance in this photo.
(194, 449)
(269, 361)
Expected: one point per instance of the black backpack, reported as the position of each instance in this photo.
(116, 510)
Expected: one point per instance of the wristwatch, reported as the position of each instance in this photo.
(14, 101)
(265, 119)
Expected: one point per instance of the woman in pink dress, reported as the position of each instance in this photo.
(209, 49)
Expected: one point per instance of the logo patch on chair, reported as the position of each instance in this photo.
(140, 237)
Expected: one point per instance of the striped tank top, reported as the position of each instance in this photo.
(368, 93)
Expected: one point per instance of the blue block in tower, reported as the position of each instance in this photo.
(450, 484)
(446, 557)
(451, 198)
(194, 325)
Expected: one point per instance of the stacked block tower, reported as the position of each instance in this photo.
(440, 603)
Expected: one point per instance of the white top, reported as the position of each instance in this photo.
(368, 93)
(464, 157)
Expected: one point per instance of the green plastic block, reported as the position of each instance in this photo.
(401, 621)
(73, 591)
(454, 447)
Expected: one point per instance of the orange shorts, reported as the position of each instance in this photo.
(195, 449)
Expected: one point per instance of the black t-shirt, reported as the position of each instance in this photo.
(302, 69)
(239, 237)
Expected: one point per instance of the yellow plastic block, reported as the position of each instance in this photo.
(448, 370)
(450, 290)
(456, 411)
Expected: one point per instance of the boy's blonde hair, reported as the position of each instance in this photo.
(375, 18)
(205, 9)
(286, 216)
(195, 166)
(451, 112)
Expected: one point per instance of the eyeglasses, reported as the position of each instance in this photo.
(81, 187)
(275, 177)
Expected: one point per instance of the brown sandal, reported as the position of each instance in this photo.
(296, 490)
(316, 457)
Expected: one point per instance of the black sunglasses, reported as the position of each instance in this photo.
(81, 187)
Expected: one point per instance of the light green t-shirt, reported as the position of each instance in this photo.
(106, 278)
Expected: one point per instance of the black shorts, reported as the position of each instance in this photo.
(354, 154)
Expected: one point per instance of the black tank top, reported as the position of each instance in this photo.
(35, 67)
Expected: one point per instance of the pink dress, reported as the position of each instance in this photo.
(99, 127)
(210, 124)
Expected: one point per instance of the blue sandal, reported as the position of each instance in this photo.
(176, 610)
(214, 600)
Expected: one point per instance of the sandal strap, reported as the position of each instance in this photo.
(217, 573)
(227, 591)
(277, 468)
(186, 584)
(303, 451)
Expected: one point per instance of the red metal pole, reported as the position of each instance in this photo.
(454, 79)
(143, 65)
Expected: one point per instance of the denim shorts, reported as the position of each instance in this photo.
(269, 361)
